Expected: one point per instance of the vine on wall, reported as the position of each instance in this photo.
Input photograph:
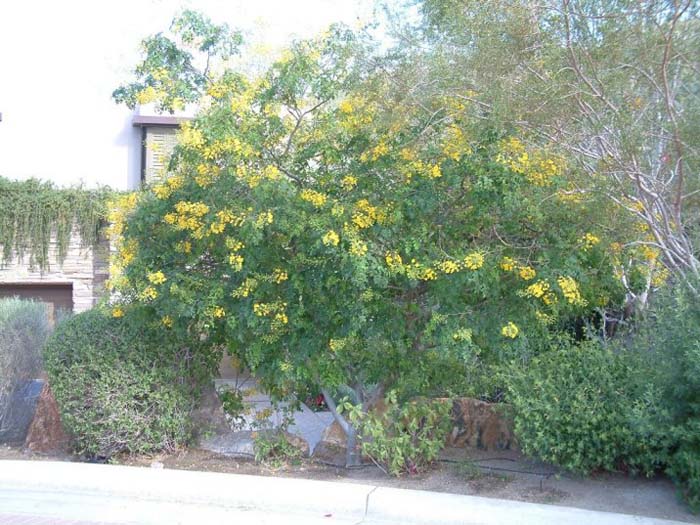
(34, 213)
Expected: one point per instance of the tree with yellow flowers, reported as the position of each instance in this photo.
(328, 231)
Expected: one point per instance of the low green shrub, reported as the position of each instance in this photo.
(121, 387)
(406, 437)
(23, 331)
(585, 408)
(668, 340)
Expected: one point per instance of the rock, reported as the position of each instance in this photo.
(208, 417)
(480, 424)
(17, 415)
(46, 433)
(298, 443)
(334, 435)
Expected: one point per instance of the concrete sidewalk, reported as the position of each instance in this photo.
(38, 493)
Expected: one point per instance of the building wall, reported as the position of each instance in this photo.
(85, 268)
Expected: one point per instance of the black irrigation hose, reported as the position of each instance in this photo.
(543, 475)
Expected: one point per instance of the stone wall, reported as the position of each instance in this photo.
(86, 269)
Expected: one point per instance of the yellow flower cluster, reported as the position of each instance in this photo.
(279, 275)
(449, 267)
(393, 260)
(246, 288)
(168, 186)
(316, 198)
(148, 293)
(157, 278)
(588, 241)
(365, 215)
(167, 321)
(356, 113)
(330, 238)
(537, 167)
(375, 153)
(190, 137)
(510, 330)
(216, 312)
(348, 182)
(526, 273)
(275, 310)
(236, 262)
(265, 217)
(119, 210)
(117, 312)
(570, 289)
(541, 290)
(224, 217)
(358, 248)
(508, 264)
(206, 174)
(454, 144)
(474, 261)
(234, 244)
(187, 215)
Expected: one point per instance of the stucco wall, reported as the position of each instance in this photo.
(85, 268)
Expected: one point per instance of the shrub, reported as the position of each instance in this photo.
(120, 387)
(406, 436)
(23, 330)
(669, 340)
(585, 408)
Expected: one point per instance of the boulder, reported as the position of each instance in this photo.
(17, 415)
(46, 432)
(480, 424)
(208, 417)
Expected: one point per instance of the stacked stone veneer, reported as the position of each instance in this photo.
(85, 268)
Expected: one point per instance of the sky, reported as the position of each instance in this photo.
(61, 60)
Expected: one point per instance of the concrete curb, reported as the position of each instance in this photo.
(118, 494)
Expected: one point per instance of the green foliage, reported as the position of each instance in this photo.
(33, 213)
(585, 408)
(273, 448)
(328, 232)
(175, 69)
(23, 330)
(667, 340)
(120, 386)
(406, 437)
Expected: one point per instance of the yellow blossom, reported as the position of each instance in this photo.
(449, 267)
(527, 273)
(348, 182)
(156, 277)
(508, 264)
(167, 321)
(218, 312)
(236, 262)
(570, 289)
(331, 238)
(358, 248)
(510, 330)
(314, 197)
(148, 293)
(279, 275)
(474, 261)
(588, 241)
(117, 312)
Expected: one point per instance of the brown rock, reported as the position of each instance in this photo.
(480, 424)
(298, 443)
(46, 433)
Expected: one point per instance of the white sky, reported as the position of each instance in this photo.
(61, 60)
